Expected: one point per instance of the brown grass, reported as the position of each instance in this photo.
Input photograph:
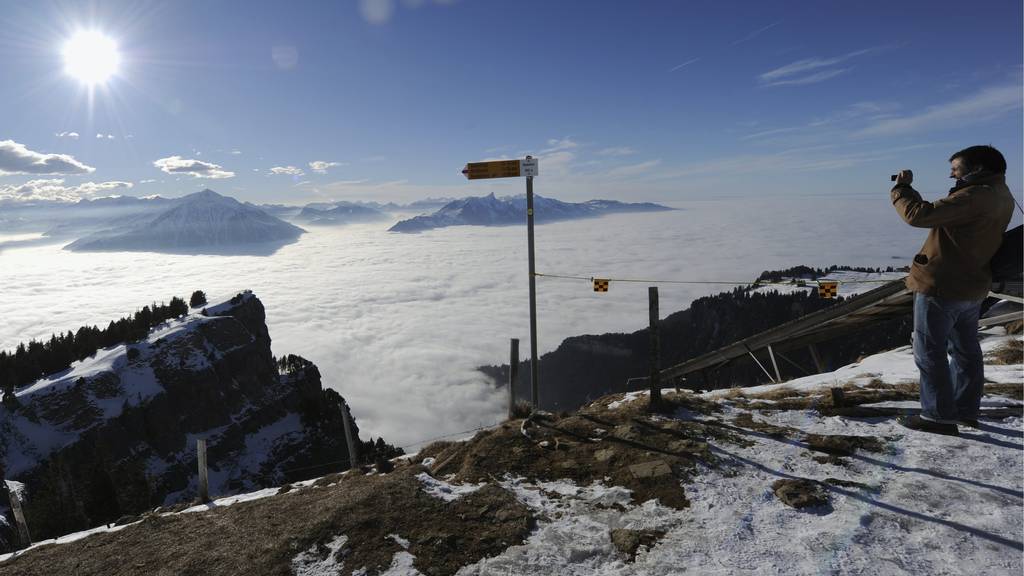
(263, 536)
(1010, 353)
(1015, 327)
(624, 445)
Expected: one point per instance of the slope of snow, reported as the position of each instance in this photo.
(850, 283)
(931, 504)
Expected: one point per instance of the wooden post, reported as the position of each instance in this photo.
(513, 376)
(838, 397)
(19, 517)
(204, 480)
(655, 347)
(353, 453)
(817, 359)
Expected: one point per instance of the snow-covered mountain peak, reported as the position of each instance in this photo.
(203, 221)
(207, 195)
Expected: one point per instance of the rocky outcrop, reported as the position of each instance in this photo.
(116, 434)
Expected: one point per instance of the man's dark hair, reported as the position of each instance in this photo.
(986, 157)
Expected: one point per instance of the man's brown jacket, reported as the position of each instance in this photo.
(966, 229)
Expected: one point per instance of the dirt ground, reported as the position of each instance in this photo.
(262, 537)
(652, 453)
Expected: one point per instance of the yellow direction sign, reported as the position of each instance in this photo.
(600, 284)
(495, 169)
(828, 289)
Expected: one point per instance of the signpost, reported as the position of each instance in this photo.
(514, 169)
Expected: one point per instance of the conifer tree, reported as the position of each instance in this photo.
(198, 299)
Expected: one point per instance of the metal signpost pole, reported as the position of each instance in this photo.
(533, 291)
(515, 169)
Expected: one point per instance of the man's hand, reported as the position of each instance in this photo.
(904, 177)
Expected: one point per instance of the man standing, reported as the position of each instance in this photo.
(950, 278)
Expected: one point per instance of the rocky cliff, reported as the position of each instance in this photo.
(115, 435)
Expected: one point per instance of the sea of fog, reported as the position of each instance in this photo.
(398, 323)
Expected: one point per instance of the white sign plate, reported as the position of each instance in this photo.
(528, 167)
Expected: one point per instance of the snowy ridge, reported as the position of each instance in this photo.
(101, 387)
(145, 404)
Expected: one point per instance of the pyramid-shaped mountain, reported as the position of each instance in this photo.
(204, 222)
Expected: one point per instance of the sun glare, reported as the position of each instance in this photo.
(91, 57)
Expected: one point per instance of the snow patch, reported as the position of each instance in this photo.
(401, 565)
(444, 490)
(312, 562)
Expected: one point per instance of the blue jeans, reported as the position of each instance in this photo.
(950, 389)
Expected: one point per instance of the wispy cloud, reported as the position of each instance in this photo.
(807, 159)
(810, 78)
(284, 57)
(559, 144)
(71, 135)
(322, 166)
(616, 151)
(196, 168)
(287, 170)
(985, 105)
(376, 11)
(102, 136)
(381, 11)
(833, 127)
(632, 169)
(16, 158)
(684, 64)
(755, 33)
(55, 189)
(809, 70)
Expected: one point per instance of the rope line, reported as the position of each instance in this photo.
(725, 282)
(477, 429)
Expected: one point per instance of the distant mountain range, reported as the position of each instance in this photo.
(492, 211)
(341, 213)
(297, 212)
(209, 223)
(204, 222)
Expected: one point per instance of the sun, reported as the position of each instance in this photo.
(91, 57)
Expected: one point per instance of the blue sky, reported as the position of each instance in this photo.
(664, 101)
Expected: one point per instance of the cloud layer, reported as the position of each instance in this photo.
(196, 168)
(397, 323)
(15, 158)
